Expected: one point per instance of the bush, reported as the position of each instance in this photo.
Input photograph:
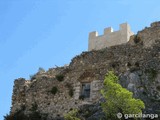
(70, 87)
(137, 64)
(60, 77)
(137, 39)
(34, 115)
(72, 115)
(9, 117)
(118, 99)
(19, 115)
(158, 88)
(71, 92)
(41, 70)
(54, 90)
(32, 77)
(152, 73)
(129, 64)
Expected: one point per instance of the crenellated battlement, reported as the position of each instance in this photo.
(109, 37)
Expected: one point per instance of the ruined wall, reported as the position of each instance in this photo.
(136, 63)
(109, 38)
(38, 90)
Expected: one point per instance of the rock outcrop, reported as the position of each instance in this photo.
(58, 90)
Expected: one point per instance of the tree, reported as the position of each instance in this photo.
(118, 99)
(72, 115)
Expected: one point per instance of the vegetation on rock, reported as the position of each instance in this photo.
(54, 90)
(60, 77)
(71, 92)
(41, 70)
(152, 73)
(137, 39)
(34, 114)
(72, 115)
(118, 99)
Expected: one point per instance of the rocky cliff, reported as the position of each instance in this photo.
(58, 90)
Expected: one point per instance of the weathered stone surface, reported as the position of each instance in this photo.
(137, 64)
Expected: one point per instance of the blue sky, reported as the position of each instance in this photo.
(45, 33)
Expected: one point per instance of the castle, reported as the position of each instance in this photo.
(136, 63)
(109, 38)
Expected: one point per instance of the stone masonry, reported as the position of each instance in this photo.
(109, 38)
(137, 63)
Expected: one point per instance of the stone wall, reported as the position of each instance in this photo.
(38, 91)
(109, 38)
(136, 63)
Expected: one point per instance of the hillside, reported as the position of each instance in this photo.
(58, 90)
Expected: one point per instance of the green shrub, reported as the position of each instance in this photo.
(152, 73)
(19, 115)
(71, 92)
(54, 90)
(158, 88)
(72, 115)
(9, 117)
(137, 39)
(34, 115)
(32, 77)
(129, 64)
(70, 87)
(41, 70)
(60, 77)
(118, 99)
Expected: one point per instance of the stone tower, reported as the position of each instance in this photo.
(109, 38)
